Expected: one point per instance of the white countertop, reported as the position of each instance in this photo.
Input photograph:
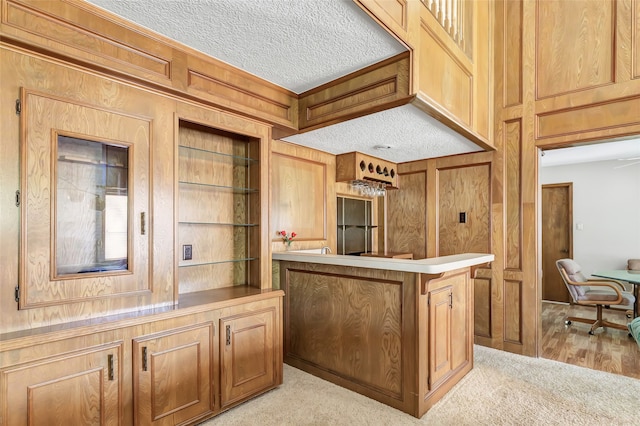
(434, 265)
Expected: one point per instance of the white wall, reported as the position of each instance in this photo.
(606, 201)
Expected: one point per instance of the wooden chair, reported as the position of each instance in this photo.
(599, 293)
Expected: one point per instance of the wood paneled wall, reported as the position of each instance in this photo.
(587, 75)
(303, 196)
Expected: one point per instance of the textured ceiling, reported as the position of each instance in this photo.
(299, 45)
(410, 133)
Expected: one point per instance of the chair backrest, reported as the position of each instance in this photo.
(570, 272)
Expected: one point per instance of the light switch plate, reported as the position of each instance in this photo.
(187, 252)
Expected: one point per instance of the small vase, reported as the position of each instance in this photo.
(287, 247)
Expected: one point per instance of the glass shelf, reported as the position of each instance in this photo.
(236, 159)
(89, 162)
(185, 265)
(230, 188)
(187, 222)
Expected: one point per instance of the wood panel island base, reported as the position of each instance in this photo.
(380, 327)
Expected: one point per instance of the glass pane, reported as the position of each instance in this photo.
(92, 220)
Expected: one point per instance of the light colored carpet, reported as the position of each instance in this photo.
(502, 389)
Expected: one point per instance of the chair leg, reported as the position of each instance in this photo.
(597, 323)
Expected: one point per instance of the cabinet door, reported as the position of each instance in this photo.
(85, 186)
(173, 380)
(449, 328)
(79, 388)
(440, 319)
(248, 355)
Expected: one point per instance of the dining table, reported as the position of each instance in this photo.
(626, 275)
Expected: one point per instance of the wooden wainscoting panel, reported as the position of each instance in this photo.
(444, 76)
(575, 46)
(513, 293)
(299, 189)
(471, 199)
(407, 215)
(513, 188)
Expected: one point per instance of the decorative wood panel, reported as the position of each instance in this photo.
(349, 325)
(512, 68)
(575, 45)
(372, 89)
(84, 34)
(392, 13)
(444, 77)
(513, 315)
(513, 191)
(482, 307)
(471, 199)
(299, 191)
(221, 83)
(407, 216)
(619, 116)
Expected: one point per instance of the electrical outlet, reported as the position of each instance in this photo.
(187, 252)
(463, 217)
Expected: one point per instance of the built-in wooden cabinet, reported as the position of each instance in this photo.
(137, 229)
(85, 201)
(64, 388)
(173, 375)
(163, 367)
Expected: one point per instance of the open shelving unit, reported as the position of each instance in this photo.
(218, 209)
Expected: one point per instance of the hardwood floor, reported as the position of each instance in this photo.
(607, 350)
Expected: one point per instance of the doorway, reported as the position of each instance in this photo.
(557, 238)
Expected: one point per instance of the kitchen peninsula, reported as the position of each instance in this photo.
(396, 330)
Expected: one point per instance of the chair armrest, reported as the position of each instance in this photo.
(606, 280)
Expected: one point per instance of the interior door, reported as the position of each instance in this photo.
(557, 239)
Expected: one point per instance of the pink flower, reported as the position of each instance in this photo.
(293, 234)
